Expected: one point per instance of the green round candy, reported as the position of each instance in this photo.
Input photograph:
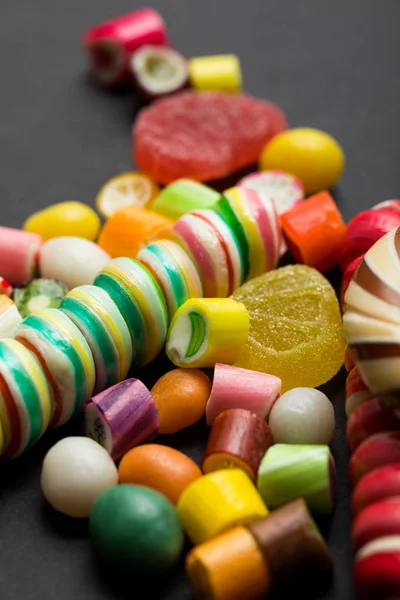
(136, 530)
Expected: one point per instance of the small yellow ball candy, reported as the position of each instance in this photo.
(315, 157)
(64, 219)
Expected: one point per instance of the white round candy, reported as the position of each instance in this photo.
(302, 416)
(74, 472)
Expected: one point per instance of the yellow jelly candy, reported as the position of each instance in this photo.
(295, 326)
(64, 219)
(127, 189)
(315, 157)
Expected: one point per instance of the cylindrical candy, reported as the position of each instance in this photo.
(25, 398)
(254, 220)
(122, 417)
(219, 73)
(182, 196)
(356, 391)
(10, 317)
(369, 418)
(141, 302)
(19, 251)
(159, 71)
(174, 272)
(238, 439)
(284, 189)
(100, 322)
(217, 502)
(214, 249)
(375, 521)
(377, 568)
(229, 567)
(376, 451)
(288, 472)
(233, 387)
(207, 330)
(66, 359)
(377, 485)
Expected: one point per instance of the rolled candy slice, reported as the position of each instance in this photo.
(19, 251)
(65, 357)
(10, 317)
(216, 73)
(234, 387)
(5, 287)
(377, 569)
(159, 71)
(110, 45)
(356, 391)
(288, 472)
(285, 190)
(40, 293)
(141, 302)
(131, 187)
(217, 502)
(207, 330)
(230, 565)
(377, 520)
(369, 418)
(214, 249)
(174, 272)
(122, 417)
(254, 220)
(377, 451)
(182, 196)
(238, 439)
(25, 398)
(100, 322)
(377, 485)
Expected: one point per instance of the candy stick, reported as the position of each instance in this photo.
(379, 484)
(182, 196)
(285, 190)
(377, 568)
(377, 520)
(10, 317)
(377, 451)
(220, 73)
(369, 418)
(19, 251)
(207, 330)
(122, 417)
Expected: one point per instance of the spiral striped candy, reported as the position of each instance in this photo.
(214, 249)
(100, 322)
(254, 220)
(174, 272)
(141, 302)
(65, 357)
(25, 398)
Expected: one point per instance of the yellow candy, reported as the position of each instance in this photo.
(295, 326)
(64, 219)
(221, 73)
(205, 331)
(218, 501)
(313, 156)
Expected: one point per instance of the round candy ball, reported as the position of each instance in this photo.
(302, 416)
(136, 530)
(315, 157)
(75, 471)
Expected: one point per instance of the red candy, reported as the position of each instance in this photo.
(377, 451)
(377, 485)
(375, 521)
(377, 576)
(348, 276)
(367, 419)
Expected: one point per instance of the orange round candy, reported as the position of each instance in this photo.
(181, 396)
(159, 467)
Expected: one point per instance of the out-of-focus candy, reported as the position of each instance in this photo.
(393, 205)
(127, 189)
(377, 485)
(221, 73)
(238, 439)
(214, 249)
(377, 520)
(10, 317)
(130, 229)
(181, 396)
(254, 220)
(65, 357)
(122, 417)
(302, 416)
(218, 501)
(65, 218)
(377, 568)
(40, 293)
(376, 451)
(25, 398)
(313, 156)
(174, 272)
(159, 71)
(141, 303)
(369, 418)
(291, 471)
(5, 287)
(72, 260)
(111, 44)
(284, 189)
(100, 322)
(183, 196)
(205, 331)
(159, 467)
(314, 232)
(19, 251)
(356, 391)
(233, 387)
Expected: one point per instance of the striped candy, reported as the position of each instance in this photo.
(174, 272)
(100, 322)
(214, 249)
(141, 302)
(65, 357)
(25, 398)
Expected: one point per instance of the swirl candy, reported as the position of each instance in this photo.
(99, 320)
(142, 304)
(65, 357)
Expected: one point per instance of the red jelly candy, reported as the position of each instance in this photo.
(203, 136)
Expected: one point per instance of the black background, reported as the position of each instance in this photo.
(329, 64)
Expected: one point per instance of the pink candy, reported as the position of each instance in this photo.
(19, 252)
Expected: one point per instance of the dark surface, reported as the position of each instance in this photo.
(332, 65)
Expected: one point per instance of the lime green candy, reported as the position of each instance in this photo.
(183, 196)
(136, 530)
